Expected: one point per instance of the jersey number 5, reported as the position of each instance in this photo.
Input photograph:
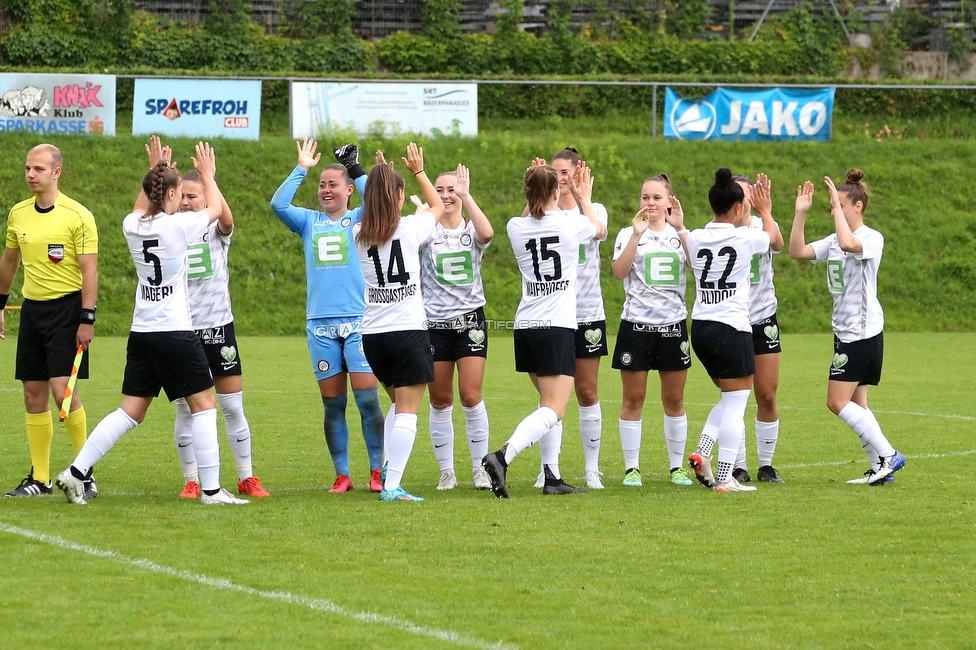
(705, 283)
(542, 246)
(156, 278)
(396, 272)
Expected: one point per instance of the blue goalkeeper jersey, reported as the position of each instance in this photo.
(335, 287)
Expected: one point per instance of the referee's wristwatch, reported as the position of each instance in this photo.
(87, 317)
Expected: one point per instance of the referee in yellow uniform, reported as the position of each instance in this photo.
(55, 236)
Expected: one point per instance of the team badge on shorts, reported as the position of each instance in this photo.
(840, 360)
(626, 358)
(323, 366)
(685, 348)
(477, 336)
(771, 332)
(55, 252)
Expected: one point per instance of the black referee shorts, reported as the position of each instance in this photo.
(47, 340)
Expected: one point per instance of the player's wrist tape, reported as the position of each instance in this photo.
(418, 172)
(87, 317)
(681, 231)
(3, 299)
(356, 171)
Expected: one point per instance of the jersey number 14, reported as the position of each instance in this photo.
(396, 271)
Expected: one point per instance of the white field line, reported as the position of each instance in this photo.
(318, 604)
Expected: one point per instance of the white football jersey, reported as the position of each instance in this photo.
(721, 258)
(762, 293)
(589, 294)
(547, 251)
(654, 290)
(852, 278)
(392, 273)
(158, 248)
(208, 278)
(451, 272)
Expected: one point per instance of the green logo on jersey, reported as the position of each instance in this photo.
(662, 269)
(198, 262)
(835, 276)
(331, 248)
(455, 268)
(582, 255)
(771, 332)
(754, 278)
(685, 348)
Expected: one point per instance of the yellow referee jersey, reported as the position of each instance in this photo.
(50, 243)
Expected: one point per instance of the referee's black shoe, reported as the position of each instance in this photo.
(555, 485)
(741, 475)
(30, 487)
(494, 463)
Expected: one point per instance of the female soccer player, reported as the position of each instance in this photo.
(591, 331)
(454, 299)
(853, 256)
(721, 258)
(395, 339)
(163, 350)
(653, 334)
(765, 337)
(210, 312)
(334, 304)
(546, 245)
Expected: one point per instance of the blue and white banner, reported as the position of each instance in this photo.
(83, 104)
(777, 114)
(197, 108)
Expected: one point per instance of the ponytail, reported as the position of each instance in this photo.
(381, 210)
(540, 185)
(725, 193)
(157, 182)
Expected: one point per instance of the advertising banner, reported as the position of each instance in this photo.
(197, 108)
(432, 109)
(777, 114)
(83, 104)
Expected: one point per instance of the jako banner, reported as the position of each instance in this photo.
(197, 108)
(428, 109)
(83, 104)
(775, 114)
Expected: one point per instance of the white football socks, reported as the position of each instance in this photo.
(204, 431)
(864, 424)
(238, 431)
(676, 437)
(709, 432)
(591, 431)
(398, 448)
(529, 431)
(731, 430)
(388, 429)
(630, 442)
(767, 434)
(549, 447)
(442, 436)
(476, 427)
(184, 440)
(108, 432)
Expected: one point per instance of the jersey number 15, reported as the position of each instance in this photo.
(542, 246)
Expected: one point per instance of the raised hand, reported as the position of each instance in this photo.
(804, 197)
(206, 160)
(581, 182)
(538, 162)
(347, 155)
(381, 159)
(761, 199)
(157, 152)
(307, 158)
(834, 196)
(415, 158)
(676, 216)
(462, 186)
(639, 222)
(421, 206)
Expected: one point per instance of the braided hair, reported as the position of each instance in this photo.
(157, 182)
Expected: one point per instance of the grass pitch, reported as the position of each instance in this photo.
(813, 563)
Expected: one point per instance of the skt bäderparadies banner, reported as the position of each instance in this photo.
(427, 109)
(197, 108)
(752, 115)
(82, 104)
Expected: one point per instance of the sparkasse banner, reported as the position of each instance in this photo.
(197, 108)
(777, 114)
(429, 109)
(82, 104)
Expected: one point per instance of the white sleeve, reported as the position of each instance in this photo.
(586, 228)
(872, 243)
(760, 242)
(820, 249)
(621, 242)
(425, 224)
(194, 224)
(603, 217)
